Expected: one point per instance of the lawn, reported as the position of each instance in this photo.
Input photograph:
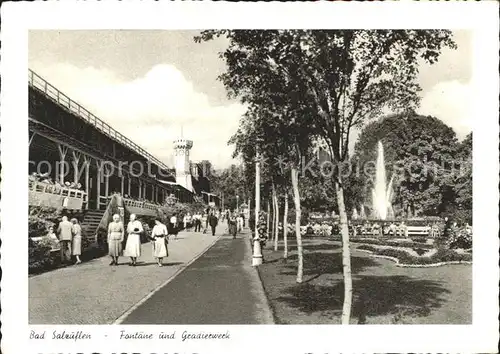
(383, 292)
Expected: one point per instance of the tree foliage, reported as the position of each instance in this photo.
(231, 182)
(423, 154)
(304, 85)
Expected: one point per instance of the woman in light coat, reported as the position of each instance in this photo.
(76, 246)
(116, 234)
(160, 240)
(133, 245)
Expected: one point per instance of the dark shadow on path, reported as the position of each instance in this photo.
(165, 264)
(373, 296)
(319, 263)
(322, 247)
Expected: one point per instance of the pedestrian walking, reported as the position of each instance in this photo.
(64, 230)
(116, 234)
(133, 244)
(204, 222)
(208, 212)
(76, 244)
(232, 226)
(187, 221)
(239, 221)
(197, 222)
(213, 222)
(173, 226)
(159, 236)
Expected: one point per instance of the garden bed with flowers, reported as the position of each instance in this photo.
(416, 256)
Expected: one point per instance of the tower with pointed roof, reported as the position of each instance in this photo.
(182, 162)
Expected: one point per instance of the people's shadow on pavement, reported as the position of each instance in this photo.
(165, 264)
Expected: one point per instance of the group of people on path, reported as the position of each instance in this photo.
(69, 234)
(116, 235)
(69, 240)
(202, 220)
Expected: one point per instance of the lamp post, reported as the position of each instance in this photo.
(237, 204)
(257, 251)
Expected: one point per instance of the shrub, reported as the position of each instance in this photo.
(38, 226)
(51, 215)
(460, 238)
(392, 243)
(442, 255)
(419, 239)
(39, 256)
(455, 237)
(420, 251)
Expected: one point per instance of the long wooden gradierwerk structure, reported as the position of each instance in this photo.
(69, 146)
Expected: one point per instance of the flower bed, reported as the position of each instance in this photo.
(404, 257)
(388, 242)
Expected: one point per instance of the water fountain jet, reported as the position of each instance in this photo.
(382, 192)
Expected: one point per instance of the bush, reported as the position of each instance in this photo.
(181, 209)
(461, 216)
(442, 255)
(39, 256)
(455, 237)
(419, 239)
(420, 251)
(50, 215)
(40, 219)
(392, 243)
(460, 238)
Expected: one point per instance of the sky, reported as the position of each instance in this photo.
(147, 84)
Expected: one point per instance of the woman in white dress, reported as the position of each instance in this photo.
(160, 240)
(133, 245)
(76, 248)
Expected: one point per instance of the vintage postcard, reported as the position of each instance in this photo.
(239, 178)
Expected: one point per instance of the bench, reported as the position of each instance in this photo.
(419, 230)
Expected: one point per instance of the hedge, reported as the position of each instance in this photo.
(442, 255)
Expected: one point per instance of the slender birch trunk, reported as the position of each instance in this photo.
(273, 216)
(268, 217)
(346, 254)
(277, 221)
(273, 226)
(296, 199)
(285, 227)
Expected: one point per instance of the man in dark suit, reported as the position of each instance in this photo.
(212, 220)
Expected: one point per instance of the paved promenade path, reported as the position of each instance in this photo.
(220, 287)
(96, 293)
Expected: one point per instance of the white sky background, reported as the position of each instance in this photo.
(147, 83)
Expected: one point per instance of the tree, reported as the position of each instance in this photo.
(351, 76)
(269, 133)
(462, 180)
(231, 183)
(328, 82)
(420, 152)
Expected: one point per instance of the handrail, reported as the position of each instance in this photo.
(43, 187)
(53, 93)
(140, 204)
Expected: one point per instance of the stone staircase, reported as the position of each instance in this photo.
(90, 222)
